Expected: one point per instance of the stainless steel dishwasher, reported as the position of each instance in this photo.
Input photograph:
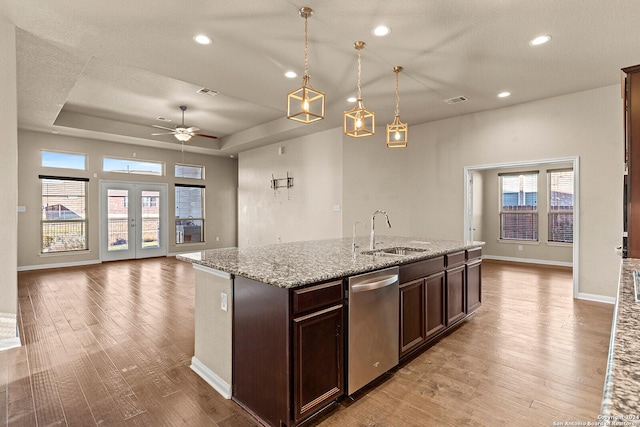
(373, 326)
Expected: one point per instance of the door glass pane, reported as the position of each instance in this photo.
(117, 220)
(149, 203)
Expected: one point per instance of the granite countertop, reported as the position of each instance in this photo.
(289, 265)
(621, 396)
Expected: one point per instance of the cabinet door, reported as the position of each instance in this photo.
(455, 284)
(318, 352)
(412, 315)
(474, 285)
(435, 289)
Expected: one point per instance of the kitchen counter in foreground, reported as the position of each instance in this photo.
(288, 265)
(621, 397)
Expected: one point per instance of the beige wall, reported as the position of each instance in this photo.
(422, 187)
(542, 251)
(220, 193)
(8, 168)
(306, 211)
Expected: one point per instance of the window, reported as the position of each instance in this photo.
(132, 166)
(54, 159)
(519, 206)
(561, 206)
(189, 213)
(189, 171)
(64, 214)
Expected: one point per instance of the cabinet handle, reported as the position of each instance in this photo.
(376, 283)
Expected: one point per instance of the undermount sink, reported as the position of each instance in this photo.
(397, 251)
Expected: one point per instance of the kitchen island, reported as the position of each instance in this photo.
(621, 396)
(271, 321)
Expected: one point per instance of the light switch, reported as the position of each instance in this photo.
(22, 209)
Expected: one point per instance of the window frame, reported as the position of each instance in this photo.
(502, 212)
(551, 211)
(152, 162)
(201, 219)
(84, 221)
(202, 171)
(64, 153)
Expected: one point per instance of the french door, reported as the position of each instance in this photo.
(133, 220)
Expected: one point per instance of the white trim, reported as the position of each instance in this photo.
(519, 242)
(597, 298)
(213, 271)
(575, 161)
(58, 265)
(528, 260)
(10, 343)
(211, 378)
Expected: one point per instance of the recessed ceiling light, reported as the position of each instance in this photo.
(504, 94)
(291, 74)
(352, 99)
(202, 39)
(381, 30)
(540, 40)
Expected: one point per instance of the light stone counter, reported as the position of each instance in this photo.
(289, 265)
(621, 396)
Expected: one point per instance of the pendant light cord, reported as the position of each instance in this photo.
(359, 71)
(306, 45)
(397, 95)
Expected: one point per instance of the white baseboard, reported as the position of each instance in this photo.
(211, 378)
(58, 265)
(9, 343)
(528, 260)
(596, 298)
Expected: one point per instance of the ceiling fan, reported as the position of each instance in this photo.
(181, 132)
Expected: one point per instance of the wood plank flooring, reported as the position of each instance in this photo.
(111, 345)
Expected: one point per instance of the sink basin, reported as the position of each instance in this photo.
(397, 251)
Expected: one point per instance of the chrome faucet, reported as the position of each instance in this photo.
(372, 245)
(353, 245)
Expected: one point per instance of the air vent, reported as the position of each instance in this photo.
(208, 92)
(455, 100)
(163, 119)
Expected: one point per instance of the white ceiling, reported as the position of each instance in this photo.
(108, 69)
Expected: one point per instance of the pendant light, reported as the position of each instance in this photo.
(397, 132)
(305, 104)
(359, 121)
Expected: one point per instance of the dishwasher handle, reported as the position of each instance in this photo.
(375, 283)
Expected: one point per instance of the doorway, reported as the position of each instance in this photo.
(133, 220)
(471, 204)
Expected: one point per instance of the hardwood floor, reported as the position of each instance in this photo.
(111, 344)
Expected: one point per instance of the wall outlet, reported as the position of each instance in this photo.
(217, 238)
(519, 247)
(223, 301)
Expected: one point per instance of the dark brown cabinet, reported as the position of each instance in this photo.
(455, 286)
(474, 285)
(288, 349)
(631, 90)
(435, 288)
(412, 315)
(318, 356)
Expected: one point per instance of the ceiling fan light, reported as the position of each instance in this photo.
(184, 137)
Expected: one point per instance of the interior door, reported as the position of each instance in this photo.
(132, 220)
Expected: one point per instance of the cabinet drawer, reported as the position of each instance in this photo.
(416, 270)
(315, 297)
(455, 258)
(474, 253)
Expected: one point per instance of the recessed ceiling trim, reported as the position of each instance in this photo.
(207, 91)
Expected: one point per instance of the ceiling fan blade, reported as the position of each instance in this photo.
(192, 129)
(162, 127)
(205, 136)
(164, 133)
